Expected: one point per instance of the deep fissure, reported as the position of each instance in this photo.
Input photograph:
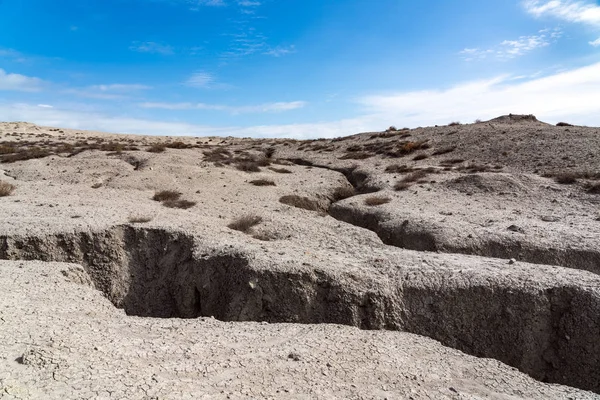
(550, 333)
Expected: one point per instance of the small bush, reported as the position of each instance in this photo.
(245, 223)
(566, 178)
(166, 195)
(399, 169)
(444, 150)
(415, 176)
(454, 123)
(376, 200)
(248, 166)
(594, 188)
(420, 157)
(300, 202)
(29, 154)
(6, 189)
(281, 170)
(157, 148)
(262, 182)
(139, 219)
(563, 124)
(343, 192)
(400, 185)
(177, 145)
(358, 155)
(184, 204)
(391, 129)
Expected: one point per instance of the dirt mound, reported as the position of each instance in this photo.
(487, 183)
(515, 119)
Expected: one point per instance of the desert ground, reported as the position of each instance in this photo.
(458, 261)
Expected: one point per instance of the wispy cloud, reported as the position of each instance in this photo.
(595, 43)
(261, 108)
(509, 49)
(201, 79)
(562, 95)
(17, 82)
(280, 51)
(107, 91)
(152, 48)
(584, 12)
(12, 55)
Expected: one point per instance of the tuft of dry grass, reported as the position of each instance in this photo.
(166, 195)
(300, 202)
(280, 170)
(408, 180)
(372, 201)
(420, 157)
(444, 150)
(357, 155)
(399, 169)
(157, 148)
(454, 123)
(564, 124)
(262, 182)
(139, 219)
(6, 189)
(567, 178)
(245, 223)
(183, 204)
(593, 188)
(28, 154)
(248, 166)
(343, 192)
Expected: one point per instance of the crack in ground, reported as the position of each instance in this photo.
(549, 331)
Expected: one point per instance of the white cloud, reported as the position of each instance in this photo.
(152, 48)
(107, 91)
(44, 106)
(573, 11)
(508, 49)
(18, 82)
(200, 80)
(261, 108)
(583, 12)
(565, 95)
(568, 95)
(281, 51)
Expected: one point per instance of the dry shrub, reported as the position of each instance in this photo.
(564, 124)
(184, 204)
(415, 176)
(166, 195)
(593, 188)
(139, 219)
(376, 200)
(343, 192)
(248, 166)
(444, 150)
(29, 154)
(218, 154)
(398, 169)
(177, 145)
(262, 182)
(7, 149)
(567, 178)
(6, 189)
(391, 129)
(358, 155)
(245, 223)
(400, 185)
(156, 148)
(300, 202)
(420, 157)
(281, 170)
(454, 123)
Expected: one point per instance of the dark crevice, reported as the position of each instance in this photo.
(548, 331)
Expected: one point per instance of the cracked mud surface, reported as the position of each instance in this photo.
(432, 263)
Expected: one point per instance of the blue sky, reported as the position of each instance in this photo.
(310, 68)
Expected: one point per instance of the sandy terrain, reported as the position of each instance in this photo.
(482, 243)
